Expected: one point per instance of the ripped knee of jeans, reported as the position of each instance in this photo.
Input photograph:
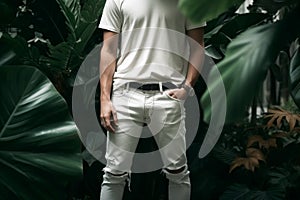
(112, 176)
(117, 174)
(175, 171)
(178, 175)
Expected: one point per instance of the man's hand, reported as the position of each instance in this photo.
(108, 116)
(178, 93)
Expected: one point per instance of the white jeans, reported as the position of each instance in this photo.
(165, 117)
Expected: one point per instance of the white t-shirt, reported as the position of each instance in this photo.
(153, 46)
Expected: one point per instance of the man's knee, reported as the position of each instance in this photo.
(175, 171)
(179, 176)
(114, 176)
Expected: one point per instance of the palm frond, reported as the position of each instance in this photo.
(71, 11)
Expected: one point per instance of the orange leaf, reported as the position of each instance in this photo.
(236, 163)
(279, 114)
(279, 121)
(280, 134)
(272, 142)
(255, 138)
(255, 153)
(269, 115)
(297, 117)
(253, 162)
(274, 111)
(287, 117)
(292, 123)
(271, 121)
(249, 163)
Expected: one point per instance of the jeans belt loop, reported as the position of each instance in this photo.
(127, 87)
(160, 87)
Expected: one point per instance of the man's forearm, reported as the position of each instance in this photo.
(196, 56)
(192, 76)
(107, 63)
(106, 75)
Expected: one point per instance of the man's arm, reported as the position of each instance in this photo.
(195, 64)
(107, 69)
(196, 56)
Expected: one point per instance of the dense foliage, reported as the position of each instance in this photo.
(255, 160)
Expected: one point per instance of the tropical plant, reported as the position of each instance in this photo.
(55, 37)
(279, 114)
(261, 167)
(57, 50)
(40, 148)
(249, 52)
(246, 48)
(60, 35)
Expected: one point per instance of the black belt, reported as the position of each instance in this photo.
(152, 86)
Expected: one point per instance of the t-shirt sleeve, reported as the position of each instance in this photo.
(190, 25)
(111, 17)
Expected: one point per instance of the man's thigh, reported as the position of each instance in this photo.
(121, 144)
(170, 136)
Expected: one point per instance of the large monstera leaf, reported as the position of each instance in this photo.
(244, 68)
(39, 145)
(247, 60)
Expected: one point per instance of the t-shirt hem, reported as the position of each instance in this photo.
(109, 28)
(196, 26)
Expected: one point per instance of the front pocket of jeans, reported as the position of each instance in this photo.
(118, 93)
(170, 97)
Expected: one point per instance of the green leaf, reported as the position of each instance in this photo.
(224, 154)
(18, 49)
(237, 24)
(219, 37)
(17, 44)
(59, 57)
(7, 13)
(221, 41)
(242, 22)
(7, 57)
(281, 175)
(88, 23)
(206, 10)
(244, 68)
(295, 77)
(39, 145)
(235, 192)
(67, 56)
(71, 11)
(272, 6)
(277, 72)
(213, 52)
(243, 192)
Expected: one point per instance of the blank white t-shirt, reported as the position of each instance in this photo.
(153, 44)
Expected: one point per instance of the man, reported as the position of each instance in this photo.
(143, 62)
